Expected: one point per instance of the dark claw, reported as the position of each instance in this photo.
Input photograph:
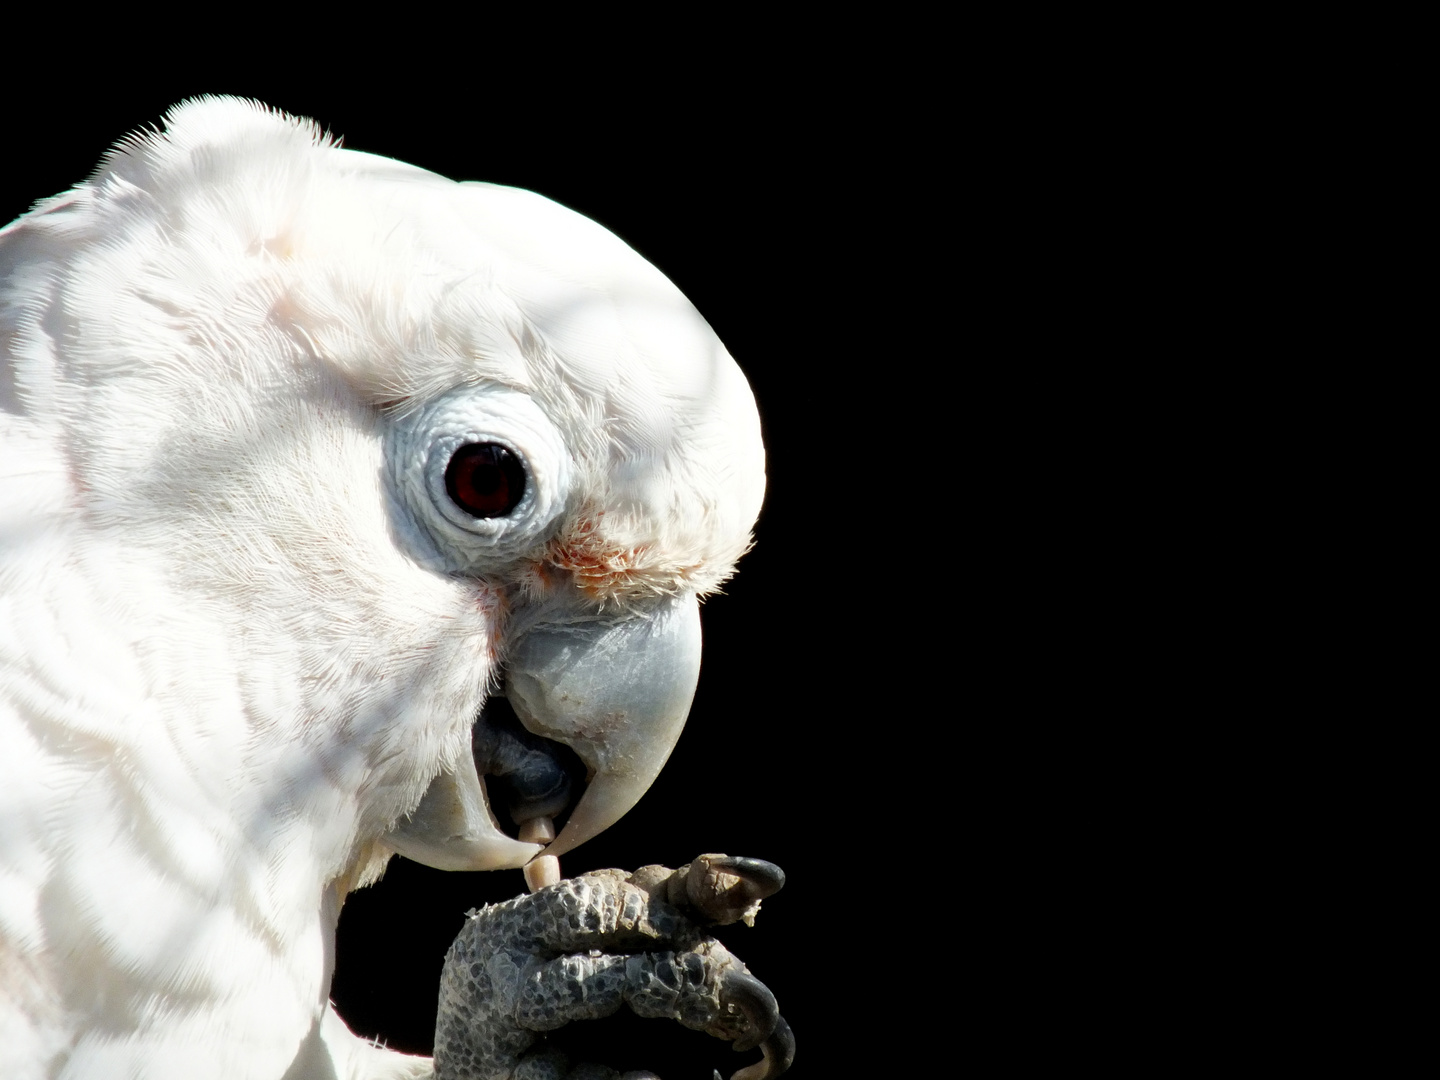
(779, 1049)
(758, 879)
(753, 998)
(703, 886)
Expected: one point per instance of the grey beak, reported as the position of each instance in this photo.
(616, 692)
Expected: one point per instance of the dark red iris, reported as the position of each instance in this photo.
(485, 480)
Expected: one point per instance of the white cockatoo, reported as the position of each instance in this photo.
(303, 453)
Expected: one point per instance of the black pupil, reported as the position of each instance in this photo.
(485, 480)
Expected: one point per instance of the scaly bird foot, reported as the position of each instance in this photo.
(580, 949)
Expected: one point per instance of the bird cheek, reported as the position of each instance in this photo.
(494, 611)
(537, 581)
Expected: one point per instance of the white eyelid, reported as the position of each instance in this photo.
(418, 450)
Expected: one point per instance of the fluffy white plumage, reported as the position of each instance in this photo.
(241, 630)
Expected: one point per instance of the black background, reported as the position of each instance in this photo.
(748, 195)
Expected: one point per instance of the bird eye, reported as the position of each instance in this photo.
(485, 480)
(482, 474)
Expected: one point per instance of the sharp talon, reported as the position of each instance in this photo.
(758, 879)
(725, 889)
(779, 1051)
(753, 998)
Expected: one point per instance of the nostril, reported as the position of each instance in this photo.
(525, 776)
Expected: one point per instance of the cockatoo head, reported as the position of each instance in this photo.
(355, 447)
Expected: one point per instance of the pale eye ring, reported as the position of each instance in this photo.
(486, 480)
